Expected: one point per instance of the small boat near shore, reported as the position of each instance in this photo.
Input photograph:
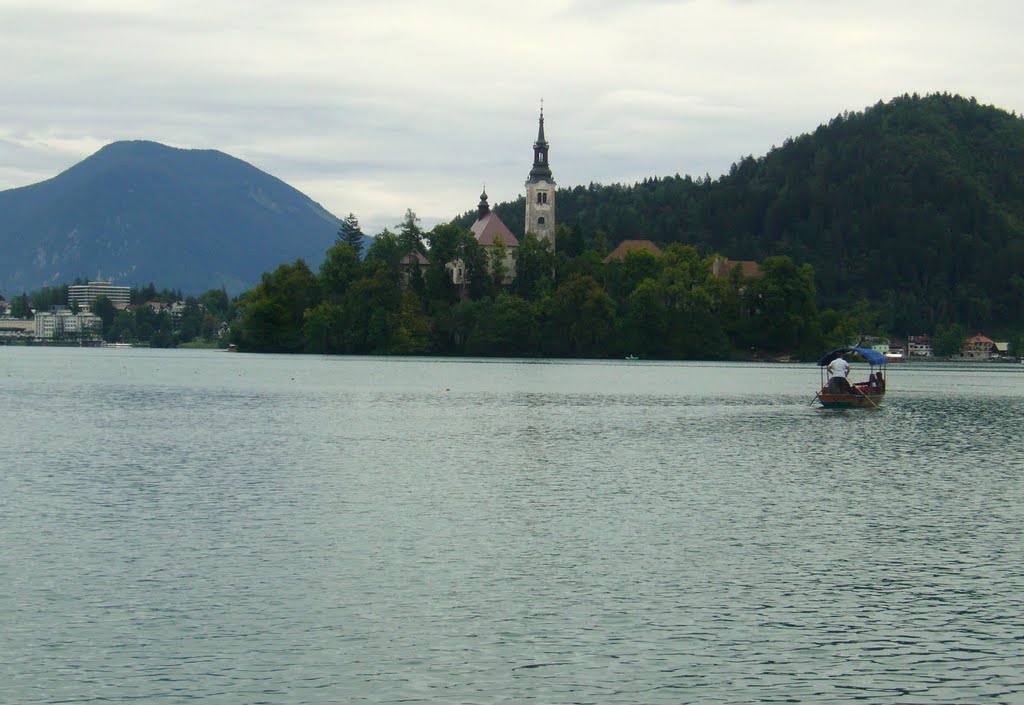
(837, 392)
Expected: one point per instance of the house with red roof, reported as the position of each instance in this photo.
(628, 246)
(410, 263)
(978, 347)
(493, 234)
(722, 266)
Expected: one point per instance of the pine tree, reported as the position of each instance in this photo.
(351, 234)
(410, 235)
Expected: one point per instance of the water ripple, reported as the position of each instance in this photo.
(239, 529)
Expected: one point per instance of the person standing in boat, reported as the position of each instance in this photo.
(838, 371)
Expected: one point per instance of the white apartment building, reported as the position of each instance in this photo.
(83, 295)
(64, 324)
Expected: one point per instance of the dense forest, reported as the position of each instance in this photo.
(915, 205)
(564, 302)
(904, 219)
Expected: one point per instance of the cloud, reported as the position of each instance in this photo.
(378, 107)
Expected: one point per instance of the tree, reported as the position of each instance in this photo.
(410, 235)
(479, 282)
(215, 301)
(322, 329)
(505, 326)
(582, 318)
(535, 265)
(20, 307)
(622, 276)
(190, 323)
(949, 340)
(350, 233)
(411, 328)
(783, 312)
(339, 269)
(104, 308)
(122, 328)
(646, 320)
(568, 241)
(445, 245)
(274, 311)
(368, 308)
(387, 248)
(496, 254)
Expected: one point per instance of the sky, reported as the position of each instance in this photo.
(377, 107)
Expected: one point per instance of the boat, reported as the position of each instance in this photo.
(838, 393)
(632, 357)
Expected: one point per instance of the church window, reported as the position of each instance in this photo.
(542, 197)
(540, 220)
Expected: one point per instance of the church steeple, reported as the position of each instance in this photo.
(482, 208)
(541, 169)
(540, 190)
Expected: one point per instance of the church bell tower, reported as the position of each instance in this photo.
(540, 191)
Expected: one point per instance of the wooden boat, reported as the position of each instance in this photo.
(839, 393)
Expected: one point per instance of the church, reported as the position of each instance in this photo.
(491, 232)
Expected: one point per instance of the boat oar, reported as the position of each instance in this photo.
(865, 395)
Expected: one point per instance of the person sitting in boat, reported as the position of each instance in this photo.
(876, 383)
(838, 370)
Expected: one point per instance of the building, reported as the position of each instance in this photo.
(64, 325)
(412, 263)
(978, 347)
(879, 345)
(721, 266)
(627, 246)
(494, 235)
(14, 329)
(540, 191)
(82, 295)
(919, 346)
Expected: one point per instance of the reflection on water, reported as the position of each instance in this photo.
(323, 530)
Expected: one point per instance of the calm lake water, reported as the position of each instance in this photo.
(182, 525)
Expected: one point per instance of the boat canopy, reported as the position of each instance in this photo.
(872, 356)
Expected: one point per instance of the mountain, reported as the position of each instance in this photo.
(139, 212)
(915, 206)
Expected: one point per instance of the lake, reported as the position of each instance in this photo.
(232, 528)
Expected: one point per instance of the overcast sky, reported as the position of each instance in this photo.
(377, 106)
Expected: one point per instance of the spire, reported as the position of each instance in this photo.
(540, 171)
(540, 130)
(482, 208)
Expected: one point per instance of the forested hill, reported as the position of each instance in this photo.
(916, 205)
(142, 212)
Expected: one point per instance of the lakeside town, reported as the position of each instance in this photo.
(100, 313)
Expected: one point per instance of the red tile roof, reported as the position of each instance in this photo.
(627, 246)
(489, 230)
(721, 267)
